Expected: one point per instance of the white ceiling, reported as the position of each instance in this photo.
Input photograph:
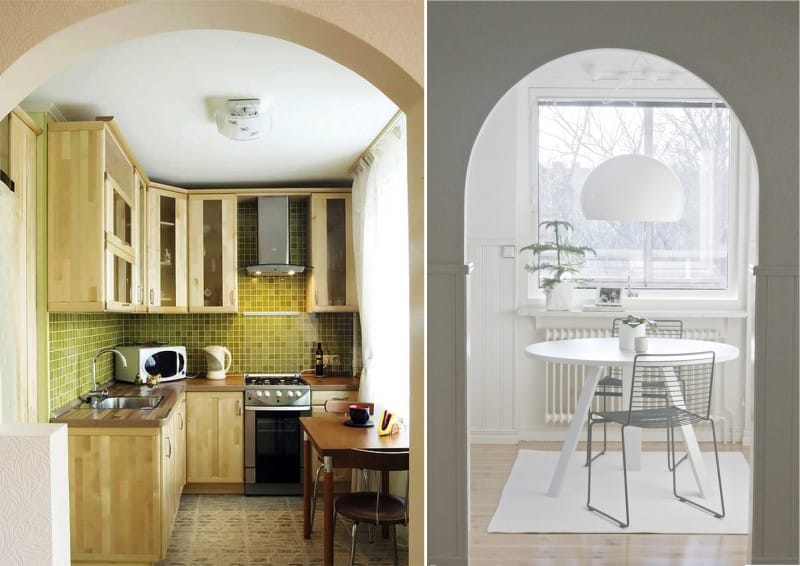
(163, 91)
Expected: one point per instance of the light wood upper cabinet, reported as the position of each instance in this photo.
(213, 284)
(215, 437)
(92, 215)
(140, 183)
(166, 246)
(331, 281)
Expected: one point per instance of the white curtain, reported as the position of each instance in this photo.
(380, 239)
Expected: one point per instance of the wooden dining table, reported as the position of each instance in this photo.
(334, 442)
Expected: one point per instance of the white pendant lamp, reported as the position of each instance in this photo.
(633, 188)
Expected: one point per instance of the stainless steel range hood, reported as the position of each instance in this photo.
(273, 239)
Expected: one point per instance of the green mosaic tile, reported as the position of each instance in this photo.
(74, 341)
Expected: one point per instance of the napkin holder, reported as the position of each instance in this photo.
(387, 424)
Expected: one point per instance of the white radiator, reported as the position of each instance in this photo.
(563, 382)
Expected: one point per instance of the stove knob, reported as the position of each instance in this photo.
(266, 393)
(258, 393)
(277, 394)
(290, 394)
(298, 394)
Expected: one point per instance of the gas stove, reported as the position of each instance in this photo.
(276, 391)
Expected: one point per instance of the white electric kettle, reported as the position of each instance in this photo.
(215, 360)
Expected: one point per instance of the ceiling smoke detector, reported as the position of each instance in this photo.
(242, 119)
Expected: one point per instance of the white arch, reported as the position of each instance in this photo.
(325, 33)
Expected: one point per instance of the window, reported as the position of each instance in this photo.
(574, 135)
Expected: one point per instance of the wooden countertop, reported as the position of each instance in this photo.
(232, 382)
(332, 383)
(81, 415)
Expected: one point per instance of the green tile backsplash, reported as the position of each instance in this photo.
(273, 343)
(74, 340)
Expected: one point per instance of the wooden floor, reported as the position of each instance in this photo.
(490, 466)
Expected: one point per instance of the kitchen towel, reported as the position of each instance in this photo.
(525, 506)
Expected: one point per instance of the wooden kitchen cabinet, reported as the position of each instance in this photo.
(140, 182)
(92, 217)
(215, 441)
(213, 282)
(125, 486)
(331, 283)
(166, 249)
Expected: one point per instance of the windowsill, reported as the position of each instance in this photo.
(677, 312)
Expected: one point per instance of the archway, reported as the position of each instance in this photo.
(328, 29)
(475, 53)
(512, 399)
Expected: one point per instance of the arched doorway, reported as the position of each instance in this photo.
(475, 53)
(329, 30)
(525, 167)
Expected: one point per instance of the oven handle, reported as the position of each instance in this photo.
(297, 409)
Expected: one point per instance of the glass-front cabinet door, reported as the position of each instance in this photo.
(121, 277)
(213, 282)
(332, 279)
(166, 250)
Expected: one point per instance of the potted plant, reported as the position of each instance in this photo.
(633, 326)
(560, 261)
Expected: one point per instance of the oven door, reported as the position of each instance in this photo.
(273, 451)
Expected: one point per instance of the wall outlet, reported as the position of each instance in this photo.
(331, 359)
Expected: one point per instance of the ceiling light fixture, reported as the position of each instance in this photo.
(632, 188)
(242, 119)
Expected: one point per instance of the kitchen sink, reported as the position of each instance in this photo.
(149, 402)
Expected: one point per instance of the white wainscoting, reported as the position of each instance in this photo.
(513, 398)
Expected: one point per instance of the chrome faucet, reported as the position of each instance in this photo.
(95, 395)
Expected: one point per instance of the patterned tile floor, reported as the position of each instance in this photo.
(233, 530)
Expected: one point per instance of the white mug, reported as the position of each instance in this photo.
(640, 344)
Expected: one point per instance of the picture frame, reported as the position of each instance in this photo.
(608, 296)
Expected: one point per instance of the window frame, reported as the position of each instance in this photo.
(741, 186)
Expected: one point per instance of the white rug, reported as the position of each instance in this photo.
(525, 506)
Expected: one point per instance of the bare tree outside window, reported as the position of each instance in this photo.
(690, 137)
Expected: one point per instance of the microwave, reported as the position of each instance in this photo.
(152, 359)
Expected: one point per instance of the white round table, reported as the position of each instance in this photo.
(605, 352)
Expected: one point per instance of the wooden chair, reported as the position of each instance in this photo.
(375, 508)
(611, 384)
(687, 403)
(341, 406)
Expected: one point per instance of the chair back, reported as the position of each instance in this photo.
(343, 406)
(684, 381)
(380, 460)
(664, 328)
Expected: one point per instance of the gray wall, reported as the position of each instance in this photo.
(748, 52)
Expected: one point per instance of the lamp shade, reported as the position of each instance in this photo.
(633, 188)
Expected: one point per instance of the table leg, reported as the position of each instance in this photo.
(385, 489)
(575, 428)
(327, 530)
(689, 439)
(306, 487)
(633, 435)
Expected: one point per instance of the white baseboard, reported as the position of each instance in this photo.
(493, 437)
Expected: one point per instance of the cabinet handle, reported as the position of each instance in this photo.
(231, 295)
(169, 443)
(181, 425)
(239, 408)
(152, 296)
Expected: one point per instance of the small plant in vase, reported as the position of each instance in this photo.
(632, 327)
(560, 261)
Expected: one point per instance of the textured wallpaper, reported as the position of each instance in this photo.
(34, 501)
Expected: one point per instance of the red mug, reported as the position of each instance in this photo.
(359, 414)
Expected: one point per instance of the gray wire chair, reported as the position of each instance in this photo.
(688, 403)
(611, 384)
(373, 507)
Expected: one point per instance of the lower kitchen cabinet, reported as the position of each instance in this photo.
(125, 486)
(215, 442)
